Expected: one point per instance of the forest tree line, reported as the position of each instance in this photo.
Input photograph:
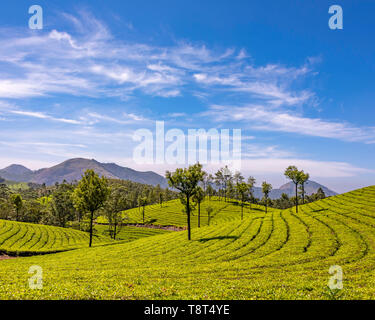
(54, 205)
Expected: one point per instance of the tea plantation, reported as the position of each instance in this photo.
(278, 255)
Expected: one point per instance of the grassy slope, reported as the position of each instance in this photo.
(16, 186)
(171, 214)
(27, 238)
(278, 255)
(131, 233)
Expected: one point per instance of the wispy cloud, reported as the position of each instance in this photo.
(260, 118)
(91, 62)
(126, 118)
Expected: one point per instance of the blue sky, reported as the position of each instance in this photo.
(300, 92)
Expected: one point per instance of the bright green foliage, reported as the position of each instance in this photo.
(113, 207)
(17, 186)
(90, 195)
(186, 181)
(266, 189)
(19, 238)
(62, 207)
(242, 189)
(279, 255)
(17, 202)
(131, 233)
(296, 176)
(303, 179)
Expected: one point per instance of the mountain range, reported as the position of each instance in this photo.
(289, 188)
(73, 169)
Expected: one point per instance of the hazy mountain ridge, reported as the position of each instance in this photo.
(289, 188)
(73, 169)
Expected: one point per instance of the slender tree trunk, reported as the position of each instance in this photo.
(199, 214)
(303, 193)
(188, 216)
(114, 232)
(91, 221)
(296, 197)
(16, 214)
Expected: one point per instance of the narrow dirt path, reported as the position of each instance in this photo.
(151, 226)
(4, 257)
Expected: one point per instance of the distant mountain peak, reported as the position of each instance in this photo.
(16, 172)
(17, 168)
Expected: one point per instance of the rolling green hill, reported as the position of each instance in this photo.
(279, 255)
(171, 214)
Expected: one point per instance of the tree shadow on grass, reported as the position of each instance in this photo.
(218, 238)
(256, 209)
(151, 221)
(319, 210)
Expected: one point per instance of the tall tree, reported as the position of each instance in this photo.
(294, 174)
(227, 176)
(242, 189)
(219, 181)
(209, 181)
(90, 195)
(303, 179)
(320, 194)
(204, 181)
(237, 178)
(222, 177)
(61, 204)
(113, 207)
(231, 190)
(198, 197)
(17, 203)
(251, 183)
(186, 181)
(161, 199)
(143, 203)
(209, 191)
(266, 189)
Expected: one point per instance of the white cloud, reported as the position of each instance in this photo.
(89, 61)
(258, 117)
(41, 115)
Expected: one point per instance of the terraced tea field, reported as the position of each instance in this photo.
(18, 238)
(279, 255)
